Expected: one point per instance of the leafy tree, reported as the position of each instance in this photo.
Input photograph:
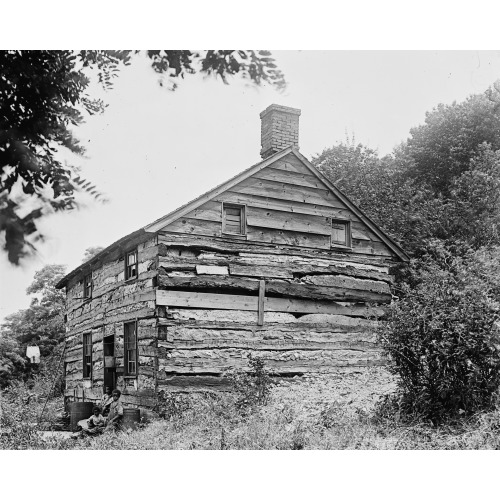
(13, 361)
(43, 94)
(443, 147)
(472, 212)
(43, 321)
(407, 210)
(90, 252)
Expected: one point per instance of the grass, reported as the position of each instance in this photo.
(333, 412)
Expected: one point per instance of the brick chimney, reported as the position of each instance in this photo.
(279, 129)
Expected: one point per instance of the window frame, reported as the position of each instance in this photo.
(87, 353)
(135, 266)
(243, 221)
(126, 350)
(88, 286)
(348, 234)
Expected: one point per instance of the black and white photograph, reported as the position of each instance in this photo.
(247, 250)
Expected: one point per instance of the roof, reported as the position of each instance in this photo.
(158, 224)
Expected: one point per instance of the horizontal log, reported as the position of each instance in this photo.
(269, 345)
(197, 243)
(202, 362)
(349, 283)
(260, 271)
(204, 269)
(245, 321)
(286, 288)
(274, 266)
(248, 303)
(196, 381)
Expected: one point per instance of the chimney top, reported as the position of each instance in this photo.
(279, 129)
(283, 109)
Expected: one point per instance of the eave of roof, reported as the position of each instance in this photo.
(121, 242)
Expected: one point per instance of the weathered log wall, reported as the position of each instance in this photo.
(320, 309)
(114, 301)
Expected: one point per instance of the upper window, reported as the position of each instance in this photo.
(87, 286)
(341, 233)
(87, 355)
(233, 219)
(130, 348)
(131, 265)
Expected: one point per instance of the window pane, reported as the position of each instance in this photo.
(339, 233)
(131, 258)
(233, 220)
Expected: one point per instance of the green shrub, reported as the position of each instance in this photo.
(443, 338)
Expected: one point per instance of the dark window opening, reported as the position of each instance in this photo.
(233, 219)
(87, 286)
(87, 355)
(131, 265)
(130, 348)
(109, 345)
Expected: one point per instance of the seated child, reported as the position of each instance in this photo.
(96, 422)
(115, 412)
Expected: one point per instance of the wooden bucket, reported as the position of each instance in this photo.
(131, 418)
(79, 411)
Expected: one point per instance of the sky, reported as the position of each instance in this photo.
(153, 150)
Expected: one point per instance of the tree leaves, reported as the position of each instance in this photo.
(44, 93)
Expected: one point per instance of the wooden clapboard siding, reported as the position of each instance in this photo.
(266, 202)
(360, 227)
(288, 192)
(277, 219)
(289, 177)
(209, 211)
(187, 225)
(290, 164)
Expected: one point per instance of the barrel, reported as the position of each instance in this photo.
(79, 411)
(131, 418)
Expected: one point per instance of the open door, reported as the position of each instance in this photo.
(109, 362)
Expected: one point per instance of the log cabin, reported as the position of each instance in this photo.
(276, 262)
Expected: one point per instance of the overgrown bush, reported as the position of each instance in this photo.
(443, 337)
(252, 386)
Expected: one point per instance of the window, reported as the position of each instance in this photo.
(87, 286)
(87, 355)
(131, 265)
(233, 219)
(130, 349)
(341, 233)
